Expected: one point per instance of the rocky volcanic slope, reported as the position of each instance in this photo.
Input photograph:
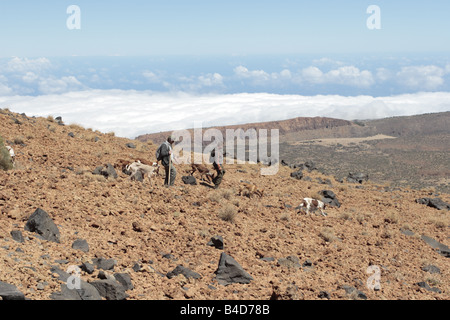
(143, 233)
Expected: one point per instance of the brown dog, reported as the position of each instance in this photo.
(121, 164)
(202, 170)
(250, 189)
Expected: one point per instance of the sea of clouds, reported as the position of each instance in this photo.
(131, 113)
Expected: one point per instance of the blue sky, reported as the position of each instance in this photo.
(274, 56)
(141, 27)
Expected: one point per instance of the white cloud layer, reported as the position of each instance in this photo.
(347, 75)
(421, 77)
(132, 113)
(23, 65)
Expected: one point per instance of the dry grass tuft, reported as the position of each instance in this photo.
(5, 158)
(228, 213)
(328, 235)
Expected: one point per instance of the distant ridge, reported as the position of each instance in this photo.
(284, 127)
(428, 123)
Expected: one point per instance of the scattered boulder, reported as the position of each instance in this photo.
(441, 248)
(267, 259)
(110, 289)
(217, 242)
(131, 145)
(17, 236)
(169, 256)
(427, 287)
(324, 295)
(98, 170)
(102, 275)
(71, 134)
(189, 180)
(184, 271)
(80, 244)
(10, 292)
(137, 267)
(436, 203)
(125, 280)
(406, 232)
(107, 171)
(297, 174)
(352, 291)
(329, 198)
(357, 177)
(86, 291)
(87, 267)
(431, 269)
(105, 264)
(309, 165)
(229, 271)
(41, 223)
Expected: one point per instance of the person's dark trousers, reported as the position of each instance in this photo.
(173, 175)
(218, 178)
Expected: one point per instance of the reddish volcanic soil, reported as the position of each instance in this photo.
(134, 222)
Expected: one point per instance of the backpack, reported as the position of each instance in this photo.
(158, 153)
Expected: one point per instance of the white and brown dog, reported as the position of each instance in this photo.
(312, 204)
(145, 170)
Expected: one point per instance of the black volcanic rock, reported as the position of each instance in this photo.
(229, 271)
(10, 292)
(41, 223)
(436, 203)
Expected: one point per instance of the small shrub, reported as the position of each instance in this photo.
(226, 193)
(203, 233)
(18, 140)
(346, 216)
(433, 281)
(5, 158)
(440, 223)
(214, 197)
(387, 234)
(327, 234)
(391, 217)
(228, 213)
(76, 127)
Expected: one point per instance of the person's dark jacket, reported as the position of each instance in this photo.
(165, 148)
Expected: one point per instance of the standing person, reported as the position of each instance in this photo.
(164, 153)
(217, 160)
